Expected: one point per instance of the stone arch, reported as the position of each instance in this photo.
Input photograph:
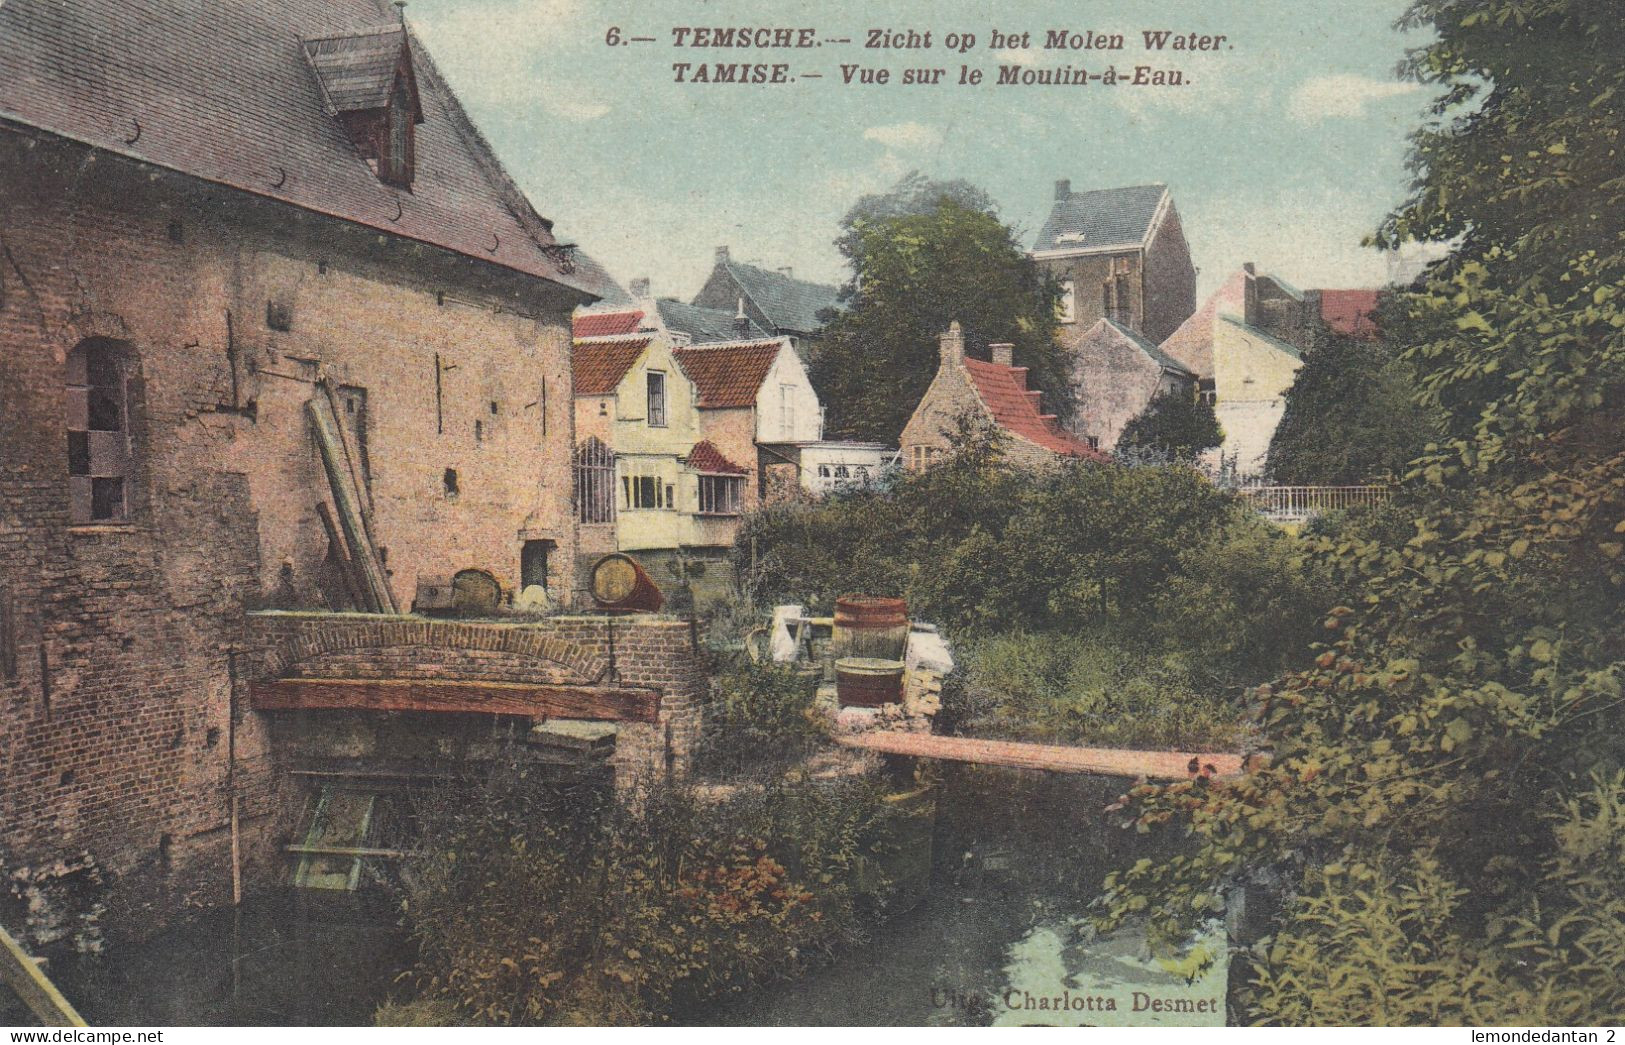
(349, 634)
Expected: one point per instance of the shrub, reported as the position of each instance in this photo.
(531, 907)
(760, 713)
(1095, 690)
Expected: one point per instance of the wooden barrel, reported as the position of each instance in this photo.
(868, 682)
(869, 627)
(619, 583)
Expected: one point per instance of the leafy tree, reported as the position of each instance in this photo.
(923, 255)
(1459, 736)
(1350, 417)
(1181, 426)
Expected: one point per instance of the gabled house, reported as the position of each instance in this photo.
(1244, 346)
(993, 392)
(668, 434)
(774, 300)
(1116, 373)
(1118, 254)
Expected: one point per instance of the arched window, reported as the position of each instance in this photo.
(100, 456)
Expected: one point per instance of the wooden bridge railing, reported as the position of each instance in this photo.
(1289, 504)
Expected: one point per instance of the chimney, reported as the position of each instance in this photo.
(788, 272)
(400, 10)
(639, 287)
(951, 345)
(722, 255)
(1003, 355)
(741, 321)
(1249, 295)
(1063, 188)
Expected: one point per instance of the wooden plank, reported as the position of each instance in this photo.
(22, 974)
(615, 703)
(1165, 765)
(347, 499)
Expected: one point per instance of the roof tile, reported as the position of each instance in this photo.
(1101, 218)
(728, 375)
(789, 303)
(597, 367)
(606, 324)
(1003, 390)
(1350, 312)
(705, 457)
(702, 325)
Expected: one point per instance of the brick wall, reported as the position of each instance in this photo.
(1170, 280)
(119, 718)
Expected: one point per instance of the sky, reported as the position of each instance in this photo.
(1285, 148)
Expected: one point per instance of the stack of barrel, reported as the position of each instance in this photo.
(868, 641)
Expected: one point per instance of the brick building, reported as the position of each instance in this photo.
(991, 392)
(1118, 254)
(277, 333)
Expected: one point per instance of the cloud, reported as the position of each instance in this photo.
(1309, 238)
(496, 53)
(908, 135)
(1341, 95)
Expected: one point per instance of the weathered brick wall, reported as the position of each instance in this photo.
(119, 720)
(1170, 280)
(1089, 273)
(1115, 381)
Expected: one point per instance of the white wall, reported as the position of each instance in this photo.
(787, 408)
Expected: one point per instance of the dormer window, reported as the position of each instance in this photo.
(368, 85)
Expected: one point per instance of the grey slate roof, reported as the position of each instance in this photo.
(1157, 355)
(788, 303)
(1269, 339)
(224, 91)
(1104, 217)
(704, 325)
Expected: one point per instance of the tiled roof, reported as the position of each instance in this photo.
(705, 457)
(225, 92)
(1349, 312)
(605, 324)
(1102, 217)
(789, 304)
(728, 375)
(598, 366)
(357, 71)
(703, 324)
(1158, 356)
(1003, 390)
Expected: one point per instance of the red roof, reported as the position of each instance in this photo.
(598, 366)
(606, 324)
(1350, 312)
(728, 375)
(226, 92)
(1003, 390)
(705, 457)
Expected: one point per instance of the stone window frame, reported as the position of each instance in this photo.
(656, 415)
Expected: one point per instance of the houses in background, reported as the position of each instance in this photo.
(1115, 374)
(993, 393)
(674, 437)
(773, 300)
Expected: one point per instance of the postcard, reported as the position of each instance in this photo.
(919, 513)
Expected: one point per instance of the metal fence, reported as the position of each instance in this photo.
(1296, 504)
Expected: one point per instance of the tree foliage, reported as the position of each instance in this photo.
(1463, 716)
(1351, 417)
(922, 256)
(1181, 426)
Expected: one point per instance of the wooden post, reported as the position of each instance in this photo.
(22, 974)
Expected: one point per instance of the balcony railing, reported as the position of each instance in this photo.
(1297, 504)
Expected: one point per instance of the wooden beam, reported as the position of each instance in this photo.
(1165, 765)
(614, 703)
(22, 974)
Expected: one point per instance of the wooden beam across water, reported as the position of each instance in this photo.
(612, 703)
(20, 972)
(1102, 761)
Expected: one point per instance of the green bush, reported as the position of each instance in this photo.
(534, 908)
(759, 714)
(1092, 690)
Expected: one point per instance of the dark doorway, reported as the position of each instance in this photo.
(533, 557)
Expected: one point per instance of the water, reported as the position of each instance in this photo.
(999, 938)
(278, 961)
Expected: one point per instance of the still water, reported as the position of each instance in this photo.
(1000, 937)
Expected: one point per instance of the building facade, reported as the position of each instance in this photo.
(1118, 254)
(772, 299)
(1116, 374)
(276, 334)
(993, 393)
